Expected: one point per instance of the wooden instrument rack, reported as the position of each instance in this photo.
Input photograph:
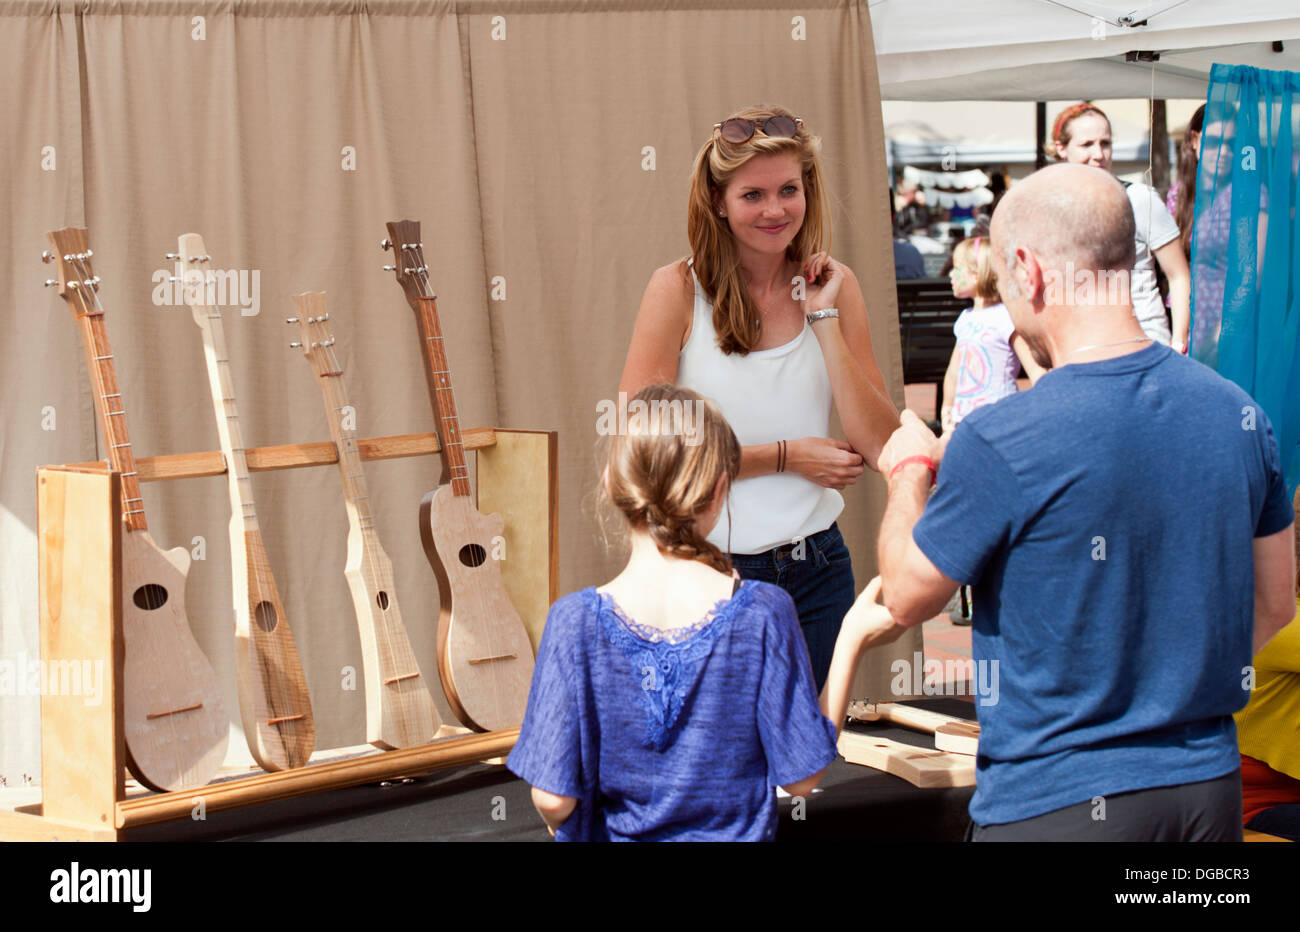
(83, 749)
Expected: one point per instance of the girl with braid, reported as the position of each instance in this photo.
(669, 702)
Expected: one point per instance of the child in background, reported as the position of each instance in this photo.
(668, 703)
(988, 355)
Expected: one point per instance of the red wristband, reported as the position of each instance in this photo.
(929, 464)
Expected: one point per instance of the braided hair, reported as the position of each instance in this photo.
(662, 472)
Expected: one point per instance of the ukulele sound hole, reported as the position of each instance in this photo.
(473, 555)
(266, 617)
(149, 597)
(382, 599)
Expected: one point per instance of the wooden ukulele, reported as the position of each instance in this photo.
(485, 659)
(273, 702)
(399, 709)
(173, 715)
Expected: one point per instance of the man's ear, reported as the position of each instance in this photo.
(1030, 277)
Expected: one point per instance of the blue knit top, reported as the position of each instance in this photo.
(672, 734)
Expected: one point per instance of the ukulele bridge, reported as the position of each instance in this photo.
(285, 718)
(188, 708)
(510, 656)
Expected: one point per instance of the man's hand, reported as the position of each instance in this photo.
(912, 438)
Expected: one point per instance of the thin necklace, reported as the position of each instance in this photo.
(1103, 345)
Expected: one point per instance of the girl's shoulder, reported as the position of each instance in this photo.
(769, 601)
(572, 614)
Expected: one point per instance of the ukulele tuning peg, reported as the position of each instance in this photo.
(47, 257)
(291, 320)
(328, 343)
(295, 345)
(171, 255)
(326, 317)
(95, 280)
(385, 244)
(389, 268)
(173, 278)
(51, 281)
(88, 254)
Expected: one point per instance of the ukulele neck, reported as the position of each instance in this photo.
(112, 414)
(341, 417)
(438, 371)
(228, 429)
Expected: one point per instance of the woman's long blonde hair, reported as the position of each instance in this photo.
(662, 472)
(735, 315)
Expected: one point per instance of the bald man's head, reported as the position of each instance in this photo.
(1066, 213)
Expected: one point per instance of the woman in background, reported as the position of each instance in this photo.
(1082, 134)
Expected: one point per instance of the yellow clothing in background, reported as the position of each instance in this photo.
(1268, 728)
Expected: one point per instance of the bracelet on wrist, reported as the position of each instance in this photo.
(922, 460)
(814, 316)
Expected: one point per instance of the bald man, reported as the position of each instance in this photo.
(1126, 531)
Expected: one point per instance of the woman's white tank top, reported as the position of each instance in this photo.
(782, 393)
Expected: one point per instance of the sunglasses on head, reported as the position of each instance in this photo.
(739, 129)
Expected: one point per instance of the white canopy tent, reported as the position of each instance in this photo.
(1073, 49)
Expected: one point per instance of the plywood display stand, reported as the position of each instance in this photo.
(83, 748)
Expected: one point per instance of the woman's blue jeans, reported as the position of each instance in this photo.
(818, 574)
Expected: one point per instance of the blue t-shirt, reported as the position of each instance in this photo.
(1105, 520)
(676, 734)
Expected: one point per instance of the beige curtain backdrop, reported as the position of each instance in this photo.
(544, 145)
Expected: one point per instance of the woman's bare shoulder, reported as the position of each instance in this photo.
(670, 299)
(673, 280)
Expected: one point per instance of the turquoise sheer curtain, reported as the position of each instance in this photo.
(1246, 244)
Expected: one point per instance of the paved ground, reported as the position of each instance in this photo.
(944, 641)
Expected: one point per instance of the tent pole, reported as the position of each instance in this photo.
(1040, 134)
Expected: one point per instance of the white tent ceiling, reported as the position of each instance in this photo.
(1073, 49)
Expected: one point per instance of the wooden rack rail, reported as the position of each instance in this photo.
(83, 748)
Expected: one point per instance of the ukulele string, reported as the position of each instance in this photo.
(91, 301)
(475, 581)
(154, 595)
(358, 492)
(273, 689)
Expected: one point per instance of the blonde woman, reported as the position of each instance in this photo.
(763, 321)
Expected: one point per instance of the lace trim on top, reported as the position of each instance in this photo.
(666, 660)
